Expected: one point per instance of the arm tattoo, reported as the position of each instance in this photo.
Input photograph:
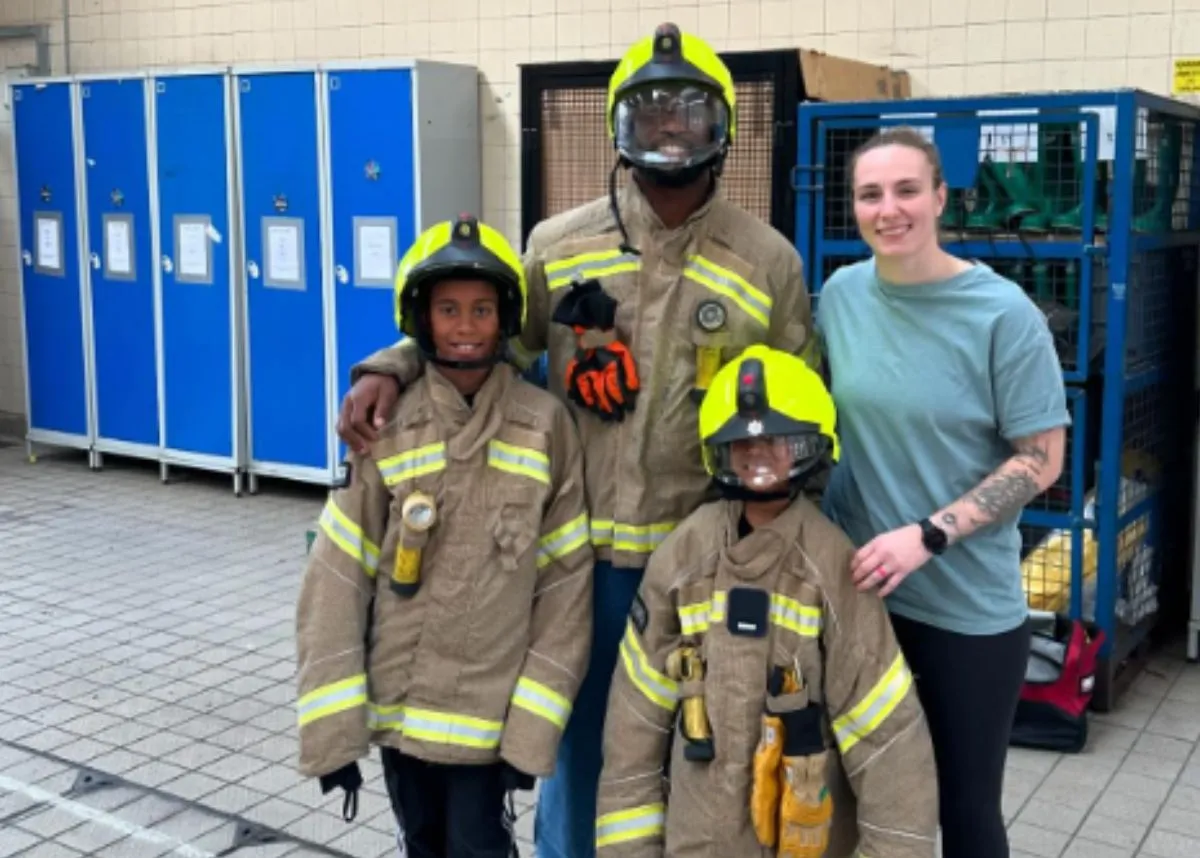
(950, 520)
(1005, 494)
(1033, 455)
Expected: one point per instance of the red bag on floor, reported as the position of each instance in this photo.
(1059, 682)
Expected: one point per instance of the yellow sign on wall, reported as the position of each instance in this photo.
(1185, 78)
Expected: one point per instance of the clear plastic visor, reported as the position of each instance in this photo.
(670, 126)
(765, 463)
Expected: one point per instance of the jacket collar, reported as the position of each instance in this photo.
(467, 428)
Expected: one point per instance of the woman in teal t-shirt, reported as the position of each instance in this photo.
(952, 413)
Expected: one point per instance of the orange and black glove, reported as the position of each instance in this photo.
(602, 379)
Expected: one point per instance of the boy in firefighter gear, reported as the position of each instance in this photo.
(637, 298)
(795, 731)
(445, 613)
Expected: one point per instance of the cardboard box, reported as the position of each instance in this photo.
(824, 77)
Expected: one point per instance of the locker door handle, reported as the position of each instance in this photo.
(343, 276)
(95, 260)
(27, 258)
(167, 265)
(252, 269)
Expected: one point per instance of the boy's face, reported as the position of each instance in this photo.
(762, 463)
(464, 319)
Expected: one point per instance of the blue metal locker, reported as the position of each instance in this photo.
(403, 153)
(282, 201)
(121, 253)
(53, 295)
(192, 133)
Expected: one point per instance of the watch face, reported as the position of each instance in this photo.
(933, 537)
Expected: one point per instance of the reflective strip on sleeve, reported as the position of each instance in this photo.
(634, 824)
(724, 282)
(658, 688)
(562, 541)
(522, 461)
(412, 464)
(786, 613)
(634, 538)
(332, 699)
(590, 266)
(542, 701)
(348, 536)
(442, 728)
(873, 710)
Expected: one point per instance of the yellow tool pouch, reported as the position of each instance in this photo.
(805, 806)
(685, 667)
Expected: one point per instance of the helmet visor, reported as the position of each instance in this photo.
(766, 462)
(670, 126)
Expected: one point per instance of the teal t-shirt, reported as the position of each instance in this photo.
(932, 382)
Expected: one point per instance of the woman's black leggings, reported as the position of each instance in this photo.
(969, 686)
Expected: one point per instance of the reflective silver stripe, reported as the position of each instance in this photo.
(861, 721)
(348, 536)
(519, 460)
(710, 275)
(438, 727)
(415, 463)
(559, 543)
(625, 825)
(542, 701)
(586, 266)
(331, 699)
(657, 688)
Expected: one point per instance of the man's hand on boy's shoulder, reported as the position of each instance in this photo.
(367, 408)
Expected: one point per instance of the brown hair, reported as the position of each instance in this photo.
(900, 135)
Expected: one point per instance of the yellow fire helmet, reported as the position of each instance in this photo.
(465, 249)
(775, 398)
(672, 105)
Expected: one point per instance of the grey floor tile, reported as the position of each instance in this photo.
(16, 841)
(1167, 844)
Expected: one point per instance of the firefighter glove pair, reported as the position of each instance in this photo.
(790, 805)
(601, 377)
(350, 779)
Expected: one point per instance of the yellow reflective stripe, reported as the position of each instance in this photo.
(724, 282)
(542, 701)
(348, 536)
(522, 461)
(442, 728)
(787, 613)
(560, 542)
(657, 687)
(331, 699)
(633, 824)
(639, 538)
(873, 710)
(589, 266)
(804, 620)
(413, 463)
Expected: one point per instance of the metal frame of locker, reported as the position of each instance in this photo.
(235, 463)
(101, 444)
(35, 435)
(427, 172)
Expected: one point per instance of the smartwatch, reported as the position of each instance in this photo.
(933, 537)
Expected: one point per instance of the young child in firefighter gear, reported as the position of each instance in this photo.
(772, 691)
(445, 614)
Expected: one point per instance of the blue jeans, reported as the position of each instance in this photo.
(565, 821)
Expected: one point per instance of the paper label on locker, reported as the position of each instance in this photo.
(192, 251)
(48, 256)
(375, 251)
(118, 250)
(283, 262)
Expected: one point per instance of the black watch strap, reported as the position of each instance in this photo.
(933, 537)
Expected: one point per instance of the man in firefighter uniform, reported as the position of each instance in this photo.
(638, 297)
(773, 691)
(445, 613)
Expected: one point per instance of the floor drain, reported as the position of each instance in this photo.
(87, 781)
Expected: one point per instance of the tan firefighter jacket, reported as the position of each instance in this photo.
(644, 475)
(840, 641)
(485, 660)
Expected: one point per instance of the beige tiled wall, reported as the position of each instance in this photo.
(951, 47)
